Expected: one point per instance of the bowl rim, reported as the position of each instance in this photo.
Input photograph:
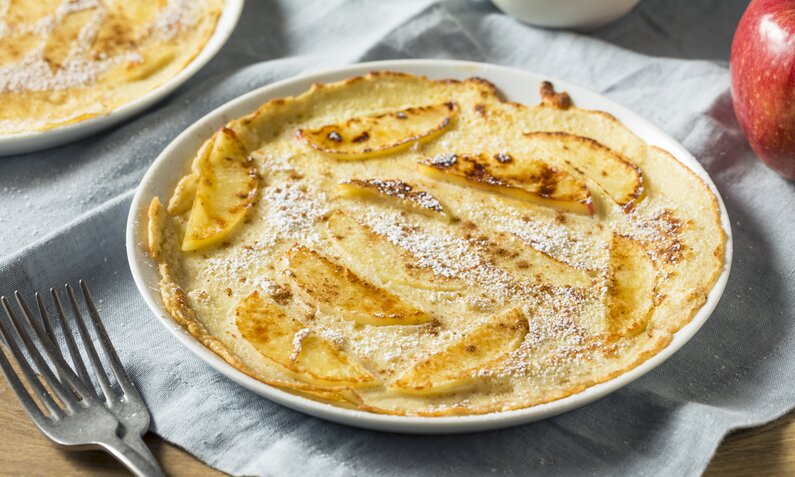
(141, 264)
(32, 141)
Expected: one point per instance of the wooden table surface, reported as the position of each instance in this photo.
(765, 451)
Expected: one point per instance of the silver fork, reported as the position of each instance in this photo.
(79, 419)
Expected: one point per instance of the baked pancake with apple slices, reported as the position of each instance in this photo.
(64, 61)
(475, 258)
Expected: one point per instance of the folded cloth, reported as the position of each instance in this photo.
(63, 214)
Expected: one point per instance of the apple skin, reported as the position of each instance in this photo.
(763, 81)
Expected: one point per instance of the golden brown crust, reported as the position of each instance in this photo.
(556, 100)
(699, 294)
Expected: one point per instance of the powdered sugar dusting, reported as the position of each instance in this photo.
(298, 340)
(447, 255)
(293, 211)
(576, 249)
(4, 5)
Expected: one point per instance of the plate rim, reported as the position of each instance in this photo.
(33, 141)
(139, 260)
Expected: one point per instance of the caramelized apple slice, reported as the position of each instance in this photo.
(341, 292)
(184, 194)
(630, 295)
(524, 179)
(182, 199)
(154, 61)
(286, 341)
(226, 189)
(372, 136)
(620, 178)
(390, 262)
(396, 192)
(509, 252)
(456, 368)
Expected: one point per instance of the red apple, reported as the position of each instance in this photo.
(763, 81)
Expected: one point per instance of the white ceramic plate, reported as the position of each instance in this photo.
(516, 85)
(38, 140)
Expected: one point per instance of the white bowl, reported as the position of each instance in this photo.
(517, 85)
(577, 14)
(21, 143)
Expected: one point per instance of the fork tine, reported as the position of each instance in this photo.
(88, 345)
(30, 375)
(44, 369)
(107, 346)
(77, 360)
(85, 392)
(44, 316)
(65, 373)
(19, 389)
(54, 352)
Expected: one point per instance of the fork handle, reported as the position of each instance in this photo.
(137, 444)
(131, 459)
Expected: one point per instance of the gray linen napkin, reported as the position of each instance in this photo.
(63, 214)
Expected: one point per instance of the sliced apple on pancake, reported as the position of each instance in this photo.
(153, 61)
(343, 293)
(287, 342)
(372, 136)
(456, 368)
(390, 262)
(621, 180)
(630, 293)
(184, 194)
(397, 192)
(509, 252)
(526, 179)
(226, 189)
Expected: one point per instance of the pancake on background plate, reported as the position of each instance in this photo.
(64, 61)
(410, 246)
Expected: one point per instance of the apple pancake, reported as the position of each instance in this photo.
(409, 246)
(65, 61)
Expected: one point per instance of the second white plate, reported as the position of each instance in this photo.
(39, 140)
